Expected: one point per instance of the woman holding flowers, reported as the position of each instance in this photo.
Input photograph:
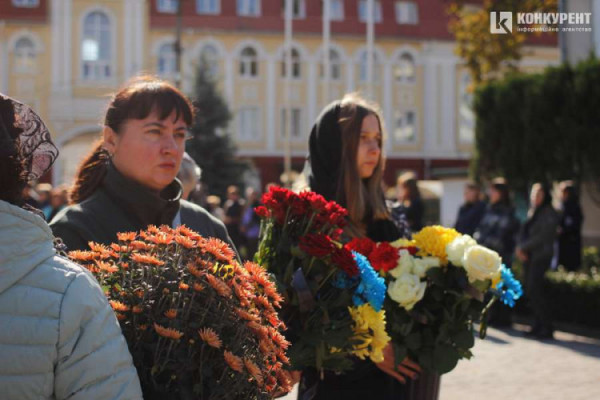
(59, 337)
(127, 182)
(346, 165)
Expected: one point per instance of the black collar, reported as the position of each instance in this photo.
(145, 205)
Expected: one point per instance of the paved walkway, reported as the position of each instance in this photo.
(509, 366)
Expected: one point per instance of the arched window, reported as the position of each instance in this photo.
(363, 67)
(209, 59)
(96, 51)
(335, 66)
(25, 56)
(248, 63)
(404, 71)
(296, 65)
(167, 63)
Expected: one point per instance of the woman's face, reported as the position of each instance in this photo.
(369, 149)
(537, 196)
(149, 150)
(495, 195)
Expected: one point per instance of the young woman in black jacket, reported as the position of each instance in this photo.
(127, 182)
(345, 164)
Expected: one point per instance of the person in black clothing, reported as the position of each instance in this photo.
(536, 249)
(409, 202)
(233, 208)
(127, 182)
(345, 164)
(569, 231)
(498, 231)
(471, 212)
(499, 226)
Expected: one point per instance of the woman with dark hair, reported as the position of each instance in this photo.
(571, 221)
(409, 202)
(60, 339)
(536, 249)
(498, 231)
(128, 182)
(499, 226)
(346, 164)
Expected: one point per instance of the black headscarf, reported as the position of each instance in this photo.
(325, 153)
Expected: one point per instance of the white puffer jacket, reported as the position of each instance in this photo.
(59, 338)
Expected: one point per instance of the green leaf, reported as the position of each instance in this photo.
(464, 339)
(445, 358)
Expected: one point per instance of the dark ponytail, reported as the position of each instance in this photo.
(136, 100)
(90, 174)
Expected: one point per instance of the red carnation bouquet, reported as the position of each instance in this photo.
(298, 245)
(198, 324)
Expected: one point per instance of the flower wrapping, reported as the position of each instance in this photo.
(198, 324)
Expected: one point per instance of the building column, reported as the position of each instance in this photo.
(3, 59)
(311, 95)
(56, 52)
(388, 106)
(128, 27)
(67, 43)
(271, 112)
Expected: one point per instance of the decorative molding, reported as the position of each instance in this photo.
(25, 33)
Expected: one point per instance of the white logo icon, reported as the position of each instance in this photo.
(501, 24)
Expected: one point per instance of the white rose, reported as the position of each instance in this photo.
(407, 290)
(422, 265)
(481, 263)
(457, 249)
(406, 263)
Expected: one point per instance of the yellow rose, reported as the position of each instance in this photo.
(481, 263)
(405, 264)
(421, 265)
(407, 290)
(458, 247)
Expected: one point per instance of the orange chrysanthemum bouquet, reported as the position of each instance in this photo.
(198, 324)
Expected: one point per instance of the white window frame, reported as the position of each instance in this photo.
(340, 16)
(297, 123)
(166, 6)
(245, 64)
(465, 108)
(296, 65)
(245, 126)
(403, 115)
(200, 9)
(377, 18)
(243, 8)
(98, 64)
(213, 64)
(301, 14)
(407, 12)
(410, 79)
(362, 66)
(332, 65)
(26, 3)
(171, 59)
(25, 63)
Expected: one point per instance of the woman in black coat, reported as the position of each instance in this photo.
(536, 250)
(127, 182)
(569, 231)
(345, 164)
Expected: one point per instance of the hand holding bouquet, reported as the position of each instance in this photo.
(436, 287)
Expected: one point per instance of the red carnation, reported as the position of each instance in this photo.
(262, 212)
(343, 259)
(364, 246)
(384, 256)
(298, 206)
(316, 245)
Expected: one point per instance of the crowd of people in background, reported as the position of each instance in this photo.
(548, 237)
